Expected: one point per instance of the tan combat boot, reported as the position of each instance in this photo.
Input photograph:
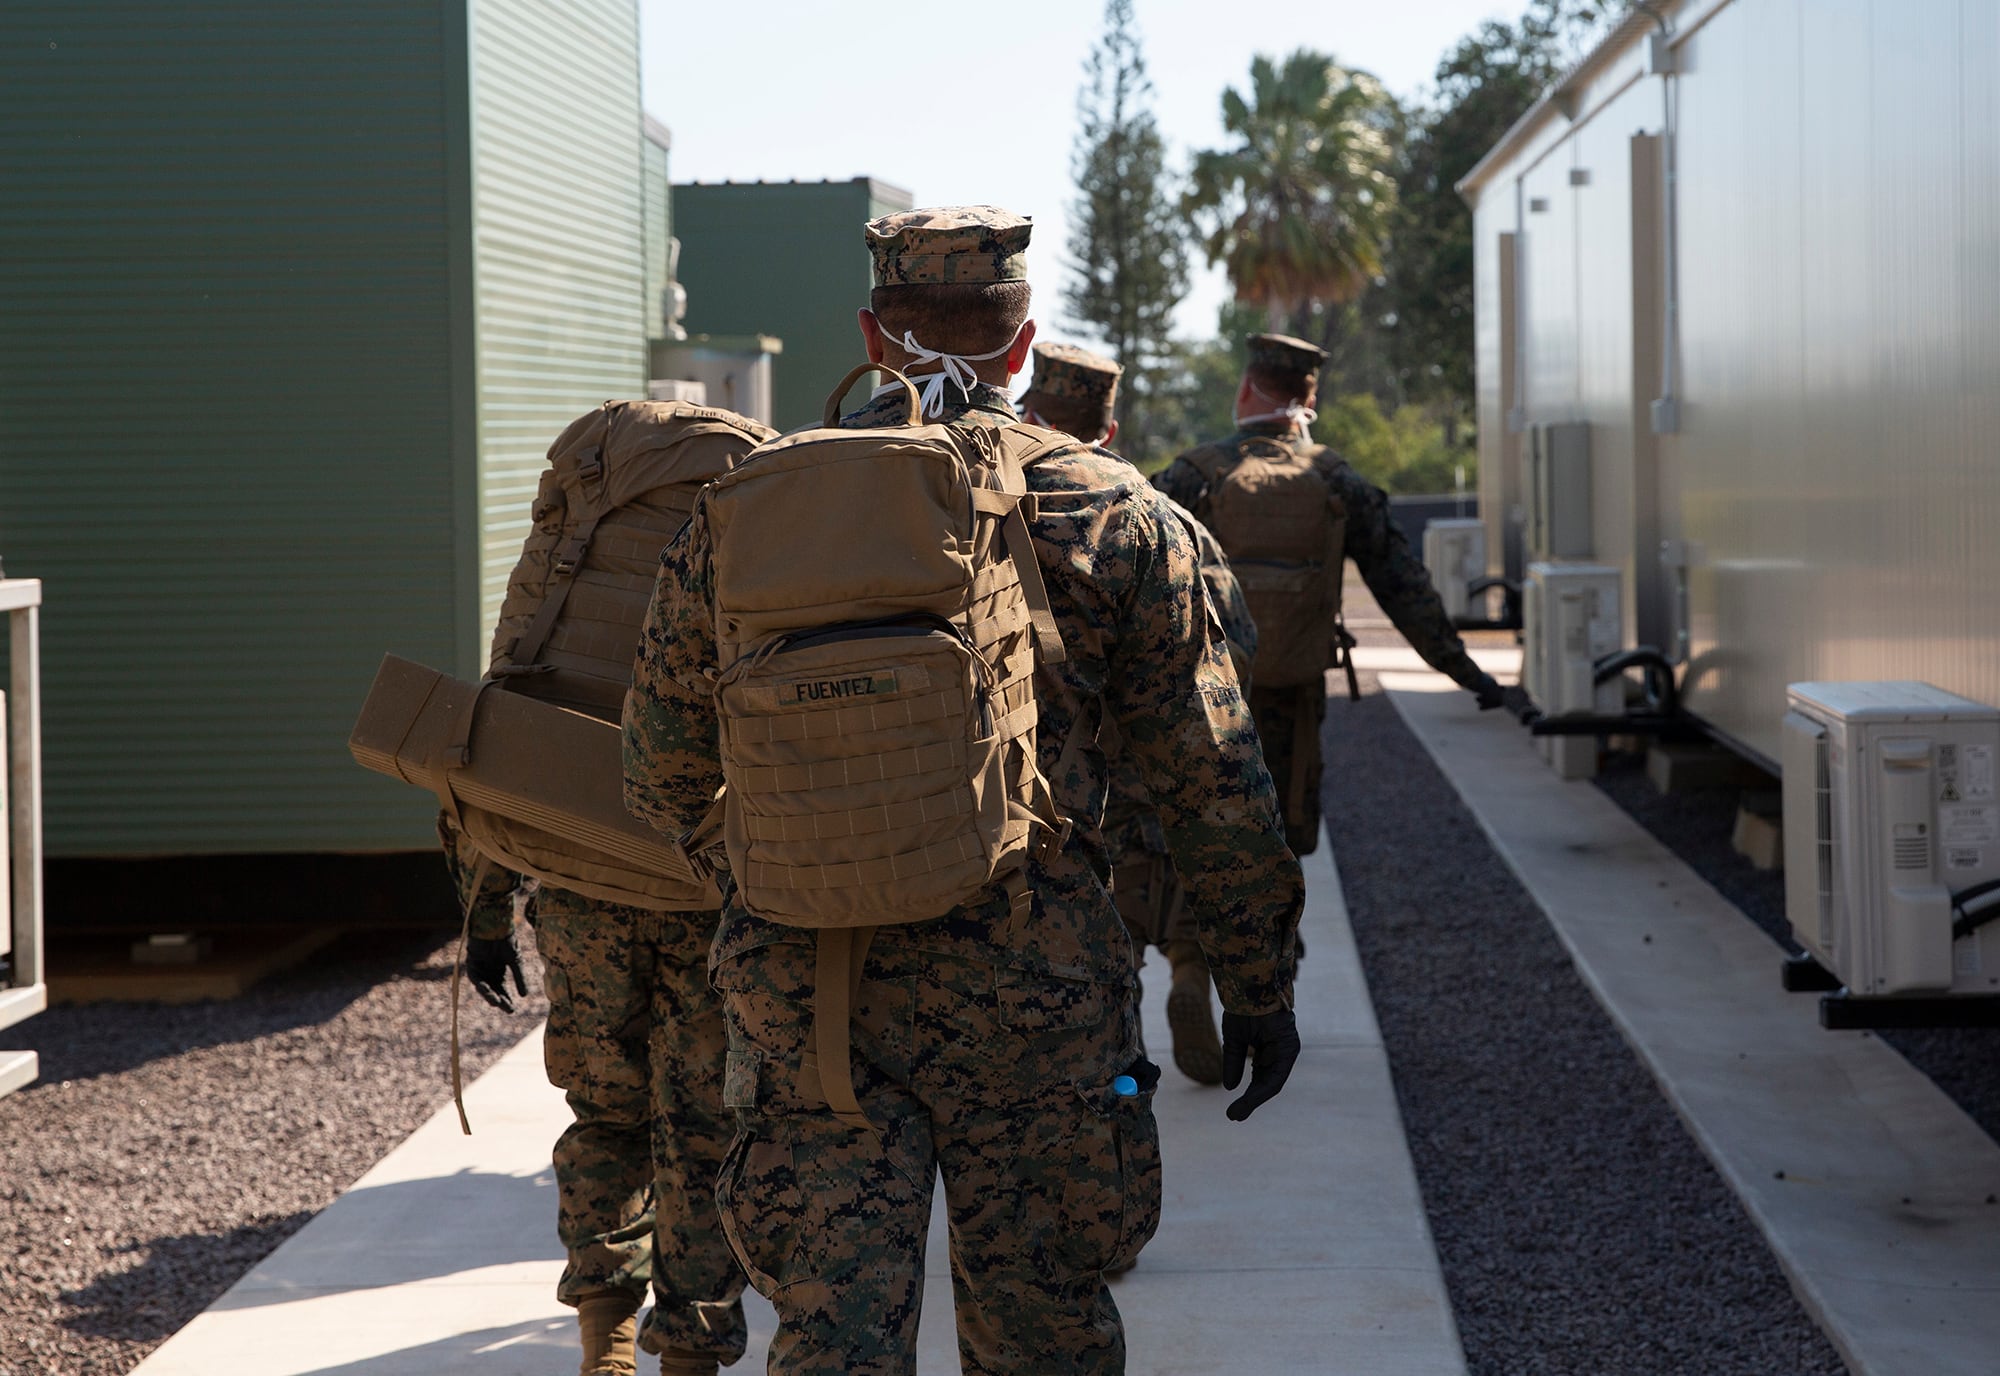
(680, 1362)
(609, 1320)
(1197, 1050)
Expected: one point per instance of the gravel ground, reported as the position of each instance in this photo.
(1581, 1230)
(166, 1150)
(1696, 825)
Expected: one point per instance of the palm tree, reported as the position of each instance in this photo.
(1298, 209)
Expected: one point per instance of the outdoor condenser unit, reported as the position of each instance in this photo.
(1455, 553)
(1892, 835)
(1558, 491)
(1571, 617)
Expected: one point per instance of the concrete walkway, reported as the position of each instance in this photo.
(1875, 1192)
(1293, 1245)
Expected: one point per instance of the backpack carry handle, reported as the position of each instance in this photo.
(832, 416)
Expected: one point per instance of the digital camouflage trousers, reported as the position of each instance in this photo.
(1288, 723)
(1000, 1082)
(635, 1040)
(1147, 892)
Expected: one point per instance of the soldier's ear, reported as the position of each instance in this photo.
(871, 334)
(1019, 350)
(1110, 434)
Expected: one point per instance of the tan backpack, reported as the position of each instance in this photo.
(621, 482)
(1284, 531)
(879, 615)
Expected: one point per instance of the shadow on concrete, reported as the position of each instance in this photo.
(536, 1345)
(178, 1278)
(368, 1238)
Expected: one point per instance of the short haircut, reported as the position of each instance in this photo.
(1280, 384)
(953, 317)
(1085, 420)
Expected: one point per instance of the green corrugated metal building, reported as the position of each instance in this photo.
(784, 259)
(292, 300)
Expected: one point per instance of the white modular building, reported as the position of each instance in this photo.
(1745, 261)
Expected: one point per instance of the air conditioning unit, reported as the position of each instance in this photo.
(1571, 617)
(1558, 491)
(677, 389)
(1891, 819)
(1455, 553)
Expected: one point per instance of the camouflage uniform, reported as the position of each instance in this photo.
(1287, 718)
(635, 1042)
(1138, 843)
(985, 1045)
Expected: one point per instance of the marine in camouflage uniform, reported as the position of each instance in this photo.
(635, 1041)
(1274, 403)
(985, 1044)
(1076, 391)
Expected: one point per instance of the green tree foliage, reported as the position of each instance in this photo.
(1297, 207)
(1404, 451)
(1129, 247)
(1336, 214)
(1192, 399)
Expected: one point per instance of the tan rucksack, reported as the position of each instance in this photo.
(621, 482)
(1284, 531)
(879, 615)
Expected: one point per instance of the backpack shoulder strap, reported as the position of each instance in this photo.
(1018, 447)
(587, 471)
(1210, 460)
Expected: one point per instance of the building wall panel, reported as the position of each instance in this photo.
(785, 259)
(558, 244)
(224, 401)
(1833, 475)
(1602, 156)
(1494, 342)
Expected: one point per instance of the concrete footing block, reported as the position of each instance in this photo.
(18, 1068)
(1680, 768)
(1760, 830)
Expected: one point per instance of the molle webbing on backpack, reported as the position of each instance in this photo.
(1283, 530)
(620, 484)
(877, 702)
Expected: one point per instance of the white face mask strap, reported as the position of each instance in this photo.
(1296, 412)
(957, 368)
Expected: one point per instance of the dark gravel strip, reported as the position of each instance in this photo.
(167, 1150)
(1580, 1228)
(1696, 825)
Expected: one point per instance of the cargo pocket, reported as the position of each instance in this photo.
(739, 1079)
(1031, 1006)
(765, 1215)
(1111, 1195)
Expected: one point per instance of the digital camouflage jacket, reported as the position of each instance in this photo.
(1142, 649)
(1376, 544)
(1129, 820)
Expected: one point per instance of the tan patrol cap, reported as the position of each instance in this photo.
(1074, 377)
(949, 244)
(1282, 353)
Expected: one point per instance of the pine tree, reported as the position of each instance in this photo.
(1128, 248)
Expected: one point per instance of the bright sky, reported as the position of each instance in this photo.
(954, 106)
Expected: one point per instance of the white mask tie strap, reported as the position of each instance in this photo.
(956, 367)
(1301, 416)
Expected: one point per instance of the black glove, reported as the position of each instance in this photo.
(487, 961)
(1514, 698)
(1271, 1041)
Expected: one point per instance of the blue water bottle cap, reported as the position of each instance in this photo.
(1125, 1086)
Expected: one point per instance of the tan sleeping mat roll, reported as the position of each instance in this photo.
(554, 793)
